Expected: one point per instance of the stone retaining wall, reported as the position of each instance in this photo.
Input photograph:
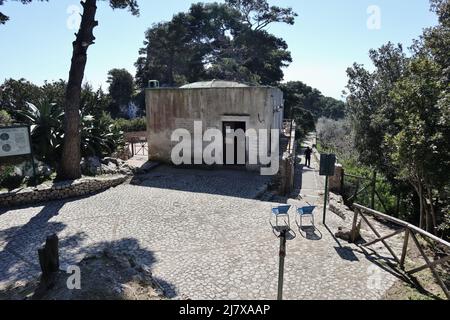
(287, 173)
(59, 190)
(335, 182)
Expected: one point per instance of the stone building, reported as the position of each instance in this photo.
(216, 104)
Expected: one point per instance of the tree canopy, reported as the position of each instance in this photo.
(4, 18)
(401, 115)
(258, 14)
(216, 41)
(131, 5)
(121, 89)
(300, 97)
(306, 105)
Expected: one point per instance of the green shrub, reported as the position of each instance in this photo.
(100, 137)
(9, 179)
(46, 119)
(5, 118)
(134, 125)
(352, 166)
(5, 171)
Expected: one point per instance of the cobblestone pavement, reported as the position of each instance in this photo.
(202, 233)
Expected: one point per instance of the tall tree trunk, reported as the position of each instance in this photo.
(427, 213)
(419, 194)
(432, 209)
(71, 155)
(171, 63)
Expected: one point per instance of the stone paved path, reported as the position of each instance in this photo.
(202, 233)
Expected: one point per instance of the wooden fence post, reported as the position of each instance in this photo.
(354, 231)
(431, 266)
(356, 191)
(405, 249)
(49, 256)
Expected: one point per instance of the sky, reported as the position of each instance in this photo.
(327, 38)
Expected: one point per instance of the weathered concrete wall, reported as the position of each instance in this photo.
(171, 109)
(287, 174)
(287, 164)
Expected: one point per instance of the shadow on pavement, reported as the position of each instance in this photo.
(225, 182)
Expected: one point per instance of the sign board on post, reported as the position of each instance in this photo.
(14, 141)
(327, 164)
(327, 168)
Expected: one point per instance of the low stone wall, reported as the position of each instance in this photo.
(336, 180)
(287, 173)
(59, 190)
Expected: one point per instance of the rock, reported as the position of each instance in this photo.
(110, 168)
(44, 169)
(126, 169)
(347, 235)
(109, 160)
(91, 166)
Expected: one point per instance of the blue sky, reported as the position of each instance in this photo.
(328, 37)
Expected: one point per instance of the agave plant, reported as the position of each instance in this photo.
(45, 119)
(100, 137)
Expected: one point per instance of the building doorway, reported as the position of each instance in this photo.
(239, 143)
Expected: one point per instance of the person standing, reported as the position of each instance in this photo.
(308, 153)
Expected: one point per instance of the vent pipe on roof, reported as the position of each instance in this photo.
(152, 84)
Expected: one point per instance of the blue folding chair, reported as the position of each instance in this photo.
(305, 211)
(281, 212)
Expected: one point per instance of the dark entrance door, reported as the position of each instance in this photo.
(233, 125)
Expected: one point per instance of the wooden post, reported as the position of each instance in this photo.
(49, 256)
(430, 265)
(405, 249)
(354, 226)
(435, 263)
(355, 197)
(379, 236)
(396, 232)
(342, 181)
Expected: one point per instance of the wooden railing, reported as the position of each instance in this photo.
(364, 184)
(136, 142)
(410, 231)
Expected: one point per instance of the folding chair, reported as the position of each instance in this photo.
(305, 211)
(281, 212)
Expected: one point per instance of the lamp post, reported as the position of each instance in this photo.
(282, 231)
(281, 263)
